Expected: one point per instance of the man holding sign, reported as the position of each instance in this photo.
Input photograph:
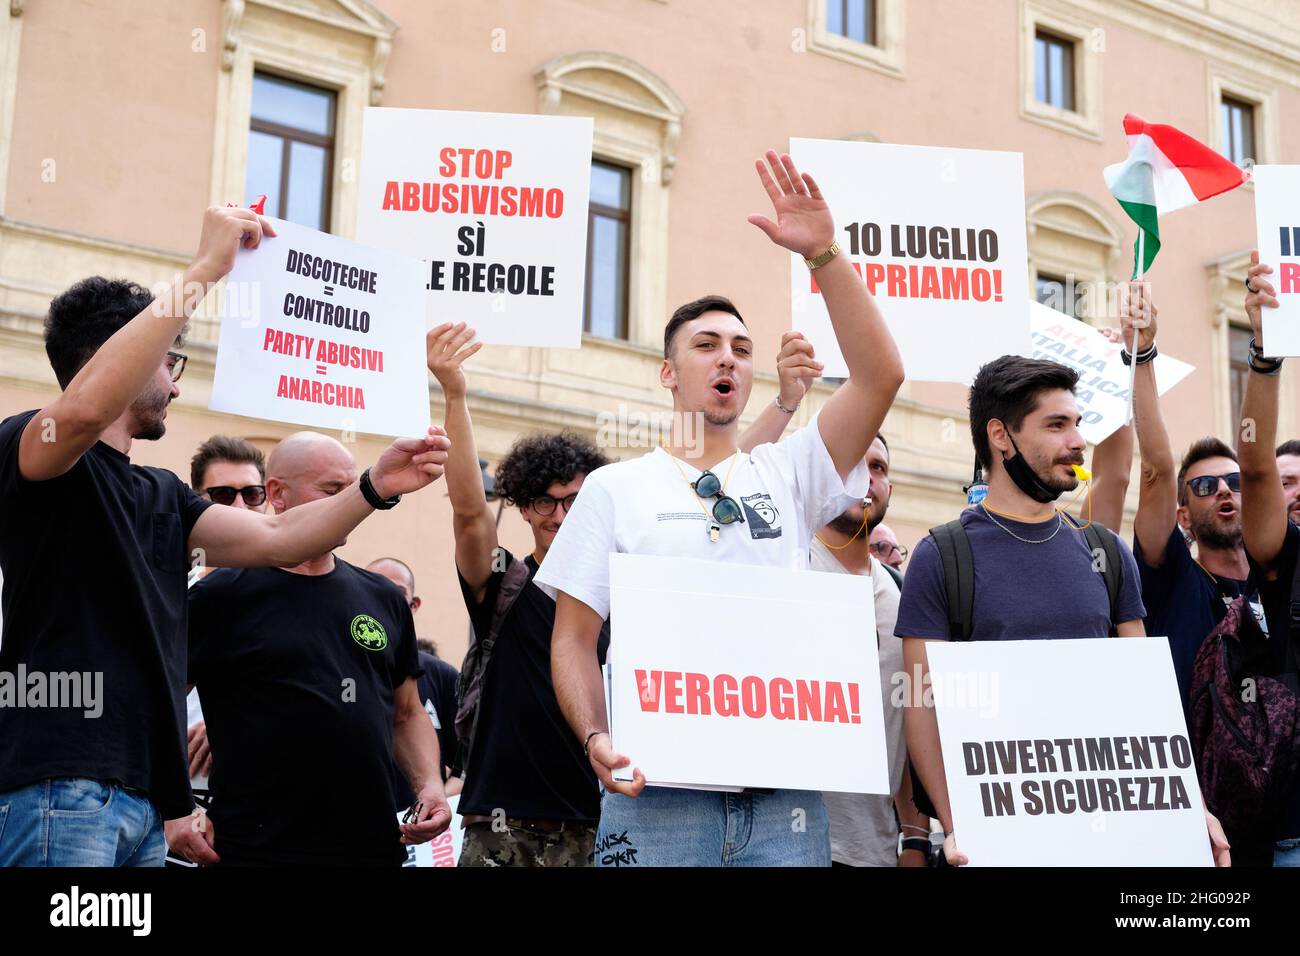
(759, 508)
(68, 490)
(1030, 571)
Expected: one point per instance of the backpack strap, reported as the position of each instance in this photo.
(1100, 537)
(958, 576)
(893, 573)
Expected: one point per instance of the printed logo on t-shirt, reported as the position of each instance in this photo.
(369, 633)
(433, 713)
(761, 515)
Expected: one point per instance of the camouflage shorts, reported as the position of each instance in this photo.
(575, 845)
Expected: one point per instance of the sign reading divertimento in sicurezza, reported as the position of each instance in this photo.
(496, 206)
(938, 235)
(323, 332)
(1067, 753)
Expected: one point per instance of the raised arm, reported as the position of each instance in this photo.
(796, 367)
(580, 689)
(61, 432)
(853, 415)
(235, 538)
(1158, 491)
(1263, 503)
(475, 531)
(1112, 461)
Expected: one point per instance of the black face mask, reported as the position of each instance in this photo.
(1018, 470)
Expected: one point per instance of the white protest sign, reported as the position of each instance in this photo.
(442, 850)
(939, 237)
(1067, 753)
(725, 675)
(1102, 392)
(324, 332)
(496, 203)
(1277, 218)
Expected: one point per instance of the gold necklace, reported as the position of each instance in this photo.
(841, 547)
(715, 529)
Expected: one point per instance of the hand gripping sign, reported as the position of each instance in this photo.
(724, 675)
(1067, 753)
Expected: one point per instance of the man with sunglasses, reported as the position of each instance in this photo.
(81, 791)
(709, 499)
(230, 471)
(1185, 595)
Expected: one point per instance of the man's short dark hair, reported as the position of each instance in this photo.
(1201, 449)
(426, 645)
(1291, 447)
(535, 462)
(693, 310)
(86, 316)
(237, 451)
(880, 437)
(1007, 389)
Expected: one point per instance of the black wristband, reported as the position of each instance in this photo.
(587, 743)
(1142, 357)
(920, 844)
(1260, 363)
(372, 497)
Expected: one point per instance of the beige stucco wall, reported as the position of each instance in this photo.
(131, 114)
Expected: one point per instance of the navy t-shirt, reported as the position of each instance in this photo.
(1184, 602)
(94, 564)
(1276, 598)
(1022, 591)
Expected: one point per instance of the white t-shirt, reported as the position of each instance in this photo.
(645, 506)
(864, 831)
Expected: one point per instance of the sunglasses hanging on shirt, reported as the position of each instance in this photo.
(726, 510)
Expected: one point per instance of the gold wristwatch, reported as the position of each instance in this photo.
(820, 260)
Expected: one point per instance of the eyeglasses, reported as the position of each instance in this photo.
(253, 495)
(725, 509)
(882, 549)
(1206, 485)
(545, 504)
(176, 365)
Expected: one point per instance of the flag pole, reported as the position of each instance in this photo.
(1132, 349)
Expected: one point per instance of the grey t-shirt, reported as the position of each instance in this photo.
(1022, 591)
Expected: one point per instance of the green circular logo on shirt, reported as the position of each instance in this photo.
(369, 633)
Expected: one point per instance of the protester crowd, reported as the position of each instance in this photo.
(318, 732)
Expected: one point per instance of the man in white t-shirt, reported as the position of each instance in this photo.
(759, 508)
(866, 827)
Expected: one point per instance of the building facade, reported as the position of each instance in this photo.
(120, 120)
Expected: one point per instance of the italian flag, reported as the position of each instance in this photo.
(1166, 170)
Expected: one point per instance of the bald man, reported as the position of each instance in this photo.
(308, 681)
(884, 545)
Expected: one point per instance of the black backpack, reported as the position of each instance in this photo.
(959, 585)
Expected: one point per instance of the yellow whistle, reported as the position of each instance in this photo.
(1083, 474)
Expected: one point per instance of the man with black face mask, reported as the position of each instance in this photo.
(1035, 574)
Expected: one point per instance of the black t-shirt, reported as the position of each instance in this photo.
(94, 564)
(525, 759)
(296, 674)
(436, 684)
(1184, 603)
(1276, 596)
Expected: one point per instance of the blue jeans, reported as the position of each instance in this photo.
(1286, 853)
(71, 821)
(666, 826)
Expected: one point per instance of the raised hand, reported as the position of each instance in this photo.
(1259, 292)
(447, 347)
(225, 229)
(796, 367)
(803, 220)
(1138, 313)
(408, 464)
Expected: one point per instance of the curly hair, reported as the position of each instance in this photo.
(535, 462)
(84, 317)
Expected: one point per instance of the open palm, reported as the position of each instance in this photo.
(803, 219)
